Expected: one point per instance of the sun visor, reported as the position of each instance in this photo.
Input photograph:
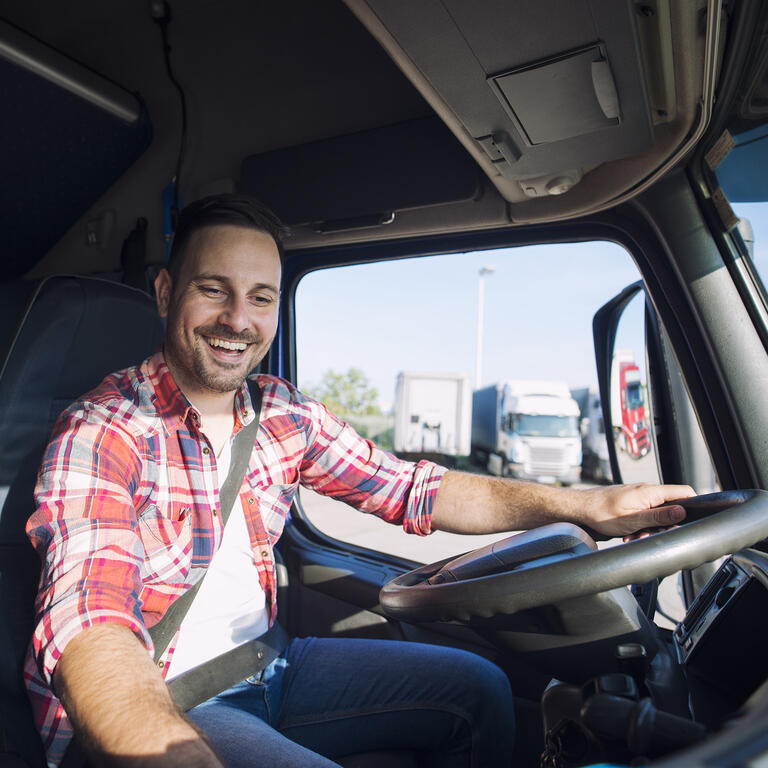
(362, 179)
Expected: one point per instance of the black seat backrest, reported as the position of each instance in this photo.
(76, 331)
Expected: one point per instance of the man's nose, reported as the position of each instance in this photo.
(234, 314)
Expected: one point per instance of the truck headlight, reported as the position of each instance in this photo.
(517, 452)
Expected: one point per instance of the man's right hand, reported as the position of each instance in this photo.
(120, 706)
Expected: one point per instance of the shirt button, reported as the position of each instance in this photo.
(161, 664)
(251, 500)
(206, 450)
(215, 513)
(245, 414)
(264, 553)
(194, 416)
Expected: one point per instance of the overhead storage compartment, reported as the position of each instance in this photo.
(543, 108)
(561, 98)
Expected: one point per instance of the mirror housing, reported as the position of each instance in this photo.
(604, 325)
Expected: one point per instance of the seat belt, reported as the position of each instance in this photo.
(133, 256)
(200, 683)
(206, 680)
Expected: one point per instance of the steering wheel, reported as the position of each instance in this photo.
(561, 561)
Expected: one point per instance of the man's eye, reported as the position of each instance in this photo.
(262, 301)
(212, 291)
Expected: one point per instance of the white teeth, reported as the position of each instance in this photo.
(236, 346)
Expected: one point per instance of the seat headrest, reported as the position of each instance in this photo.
(76, 331)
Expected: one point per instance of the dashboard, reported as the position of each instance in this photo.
(720, 643)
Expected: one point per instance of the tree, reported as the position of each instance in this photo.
(346, 394)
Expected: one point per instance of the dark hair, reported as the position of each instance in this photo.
(236, 210)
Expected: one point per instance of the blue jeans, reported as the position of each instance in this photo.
(326, 698)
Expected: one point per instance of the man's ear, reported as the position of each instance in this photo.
(163, 290)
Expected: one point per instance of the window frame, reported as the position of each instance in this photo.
(630, 226)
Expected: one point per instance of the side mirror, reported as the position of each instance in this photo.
(619, 329)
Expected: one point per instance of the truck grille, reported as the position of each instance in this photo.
(546, 461)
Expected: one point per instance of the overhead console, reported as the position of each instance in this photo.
(541, 111)
(539, 105)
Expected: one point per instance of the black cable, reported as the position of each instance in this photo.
(161, 12)
(667, 616)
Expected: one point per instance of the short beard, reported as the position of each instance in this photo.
(215, 381)
(219, 382)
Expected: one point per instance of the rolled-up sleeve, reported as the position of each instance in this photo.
(343, 465)
(84, 529)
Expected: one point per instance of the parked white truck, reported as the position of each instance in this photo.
(527, 429)
(433, 414)
(595, 463)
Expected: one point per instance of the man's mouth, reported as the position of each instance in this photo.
(226, 349)
(230, 346)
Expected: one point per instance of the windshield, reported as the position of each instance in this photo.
(546, 426)
(634, 396)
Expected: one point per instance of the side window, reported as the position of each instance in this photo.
(753, 229)
(738, 161)
(483, 361)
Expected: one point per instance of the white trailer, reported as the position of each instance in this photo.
(433, 413)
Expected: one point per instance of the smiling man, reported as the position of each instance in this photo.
(128, 518)
(225, 309)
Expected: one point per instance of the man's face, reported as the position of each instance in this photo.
(222, 311)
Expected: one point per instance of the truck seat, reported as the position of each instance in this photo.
(76, 330)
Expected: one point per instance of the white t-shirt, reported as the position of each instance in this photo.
(230, 606)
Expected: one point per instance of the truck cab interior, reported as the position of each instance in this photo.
(379, 131)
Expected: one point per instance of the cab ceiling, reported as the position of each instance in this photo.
(265, 76)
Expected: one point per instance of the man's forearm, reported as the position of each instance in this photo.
(120, 706)
(467, 503)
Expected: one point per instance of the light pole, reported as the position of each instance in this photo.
(480, 307)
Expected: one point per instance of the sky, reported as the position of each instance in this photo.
(421, 314)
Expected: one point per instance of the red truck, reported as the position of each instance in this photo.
(628, 411)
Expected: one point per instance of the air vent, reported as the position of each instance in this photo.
(704, 599)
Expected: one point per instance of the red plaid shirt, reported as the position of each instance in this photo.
(128, 506)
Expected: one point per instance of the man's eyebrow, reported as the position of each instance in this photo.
(228, 281)
(211, 276)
